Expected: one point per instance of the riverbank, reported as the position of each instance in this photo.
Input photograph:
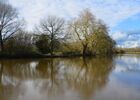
(127, 50)
(36, 56)
(30, 56)
(132, 52)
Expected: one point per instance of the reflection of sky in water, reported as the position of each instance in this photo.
(33, 64)
(73, 79)
(10, 80)
(115, 90)
(127, 71)
(124, 81)
(128, 63)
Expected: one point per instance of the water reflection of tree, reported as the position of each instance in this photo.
(12, 73)
(49, 69)
(20, 69)
(57, 76)
(1, 70)
(87, 75)
(83, 75)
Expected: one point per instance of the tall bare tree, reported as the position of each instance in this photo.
(53, 27)
(82, 27)
(9, 23)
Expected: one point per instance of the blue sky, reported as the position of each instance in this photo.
(129, 24)
(121, 16)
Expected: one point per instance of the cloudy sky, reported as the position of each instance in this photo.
(121, 16)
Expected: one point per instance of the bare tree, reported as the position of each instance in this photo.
(82, 27)
(53, 27)
(9, 23)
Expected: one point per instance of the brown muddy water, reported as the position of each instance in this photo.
(116, 78)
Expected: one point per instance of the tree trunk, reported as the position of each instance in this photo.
(1, 71)
(51, 50)
(84, 50)
(1, 43)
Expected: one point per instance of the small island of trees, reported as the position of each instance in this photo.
(84, 35)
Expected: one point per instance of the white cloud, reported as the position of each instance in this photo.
(119, 36)
(111, 11)
(131, 44)
(126, 39)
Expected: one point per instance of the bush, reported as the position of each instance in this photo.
(42, 43)
(20, 44)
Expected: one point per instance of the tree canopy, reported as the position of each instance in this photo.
(82, 35)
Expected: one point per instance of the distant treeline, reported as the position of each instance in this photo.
(128, 50)
(83, 35)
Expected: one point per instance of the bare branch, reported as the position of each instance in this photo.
(53, 27)
(9, 23)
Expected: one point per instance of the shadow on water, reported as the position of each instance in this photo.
(53, 79)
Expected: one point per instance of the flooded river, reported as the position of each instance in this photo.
(116, 78)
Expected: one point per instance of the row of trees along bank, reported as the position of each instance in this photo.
(82, 35)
